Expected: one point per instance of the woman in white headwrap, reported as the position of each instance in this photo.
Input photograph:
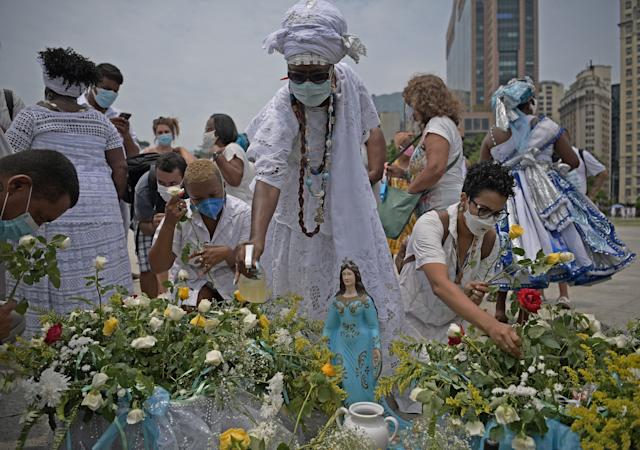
(556, 217)
(93, 144)
(312, 191)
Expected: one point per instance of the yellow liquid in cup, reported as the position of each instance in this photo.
(253, 290)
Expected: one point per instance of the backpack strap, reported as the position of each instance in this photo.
(8, 97)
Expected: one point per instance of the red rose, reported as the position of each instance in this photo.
(530, 299)
(454, 336)
(53, 334)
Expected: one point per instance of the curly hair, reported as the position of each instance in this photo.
(171, 122)
(201, 170)
(72, 67)
(491, 176)
(429, 96)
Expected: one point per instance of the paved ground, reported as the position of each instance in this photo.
(614, 303)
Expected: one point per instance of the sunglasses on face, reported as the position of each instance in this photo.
(314, 77)
(485, 213)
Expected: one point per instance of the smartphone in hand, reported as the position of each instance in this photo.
(125, 115)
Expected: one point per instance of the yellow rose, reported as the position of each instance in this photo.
(234, 438)
(328, 370)
(264, 322)
(552, 259)
(110, 326)
(239, 297)
(515, 231)
(198, 321)
(183, 293)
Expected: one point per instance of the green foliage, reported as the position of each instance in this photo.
(471, 147)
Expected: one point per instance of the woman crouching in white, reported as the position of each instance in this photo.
(449, 252)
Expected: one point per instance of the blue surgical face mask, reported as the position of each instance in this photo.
(210, 207)
(165, 139)
(309, 93)
(14, 229)
(105, 97)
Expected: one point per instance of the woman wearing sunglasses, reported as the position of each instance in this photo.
(450, 252)
(313, 205)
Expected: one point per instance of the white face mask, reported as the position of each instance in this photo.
(164, 192)
(478, 226)
(209, 139)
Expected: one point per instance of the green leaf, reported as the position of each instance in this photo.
(324, 393)
(550, 342)
(536, 332)
(22, 307)
(518, 251)
(283, 446)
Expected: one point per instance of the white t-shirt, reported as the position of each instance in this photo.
(242, 191)
(589, 167)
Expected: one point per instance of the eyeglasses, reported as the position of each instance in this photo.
(485, 213)
(314, 77)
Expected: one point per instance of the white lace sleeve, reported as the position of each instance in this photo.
(272, 134)
(114, 140)
(20, 133)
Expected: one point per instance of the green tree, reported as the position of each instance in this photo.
(471, 147)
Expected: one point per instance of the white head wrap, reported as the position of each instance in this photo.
(314, 32)
(59, 85)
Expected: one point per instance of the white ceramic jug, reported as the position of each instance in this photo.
(366, 418)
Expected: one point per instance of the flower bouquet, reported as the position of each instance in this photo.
(571, 375)
(141, 372)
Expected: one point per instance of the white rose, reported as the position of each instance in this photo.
(558, 387)
(135, 416)
(65, 244)
(143, 342)
(204, 306)
(121, 392)
(475, 428)
(183, 275)
(155, 324)
(567, 257)
(523, 442)
(27, 241)
(131, 301)
(213, 357)
(505, 414)
(174, 313)
(210, 325)
(414, 393)
(144, 301)
(100, 262)
(175, 190)
(250, 321)
(99, 380)
(594, 324)
(621, 340)
(244, 311)
(454, 330)
(93, 401)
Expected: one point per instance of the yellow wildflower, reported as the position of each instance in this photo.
(183, 293)
(328, 370)
(515, 231)
(552, 259)
(264, 322)
(239, 297)
(198, 321)
(300, 344)
(235, 438)
(110, 326)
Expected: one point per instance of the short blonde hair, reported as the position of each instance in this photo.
(201, 170)
(429, 96)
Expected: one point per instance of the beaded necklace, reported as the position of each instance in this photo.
(306, 171)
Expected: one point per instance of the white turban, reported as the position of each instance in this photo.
(59, 85)
(314, 32)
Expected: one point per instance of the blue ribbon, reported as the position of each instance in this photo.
(155, 406)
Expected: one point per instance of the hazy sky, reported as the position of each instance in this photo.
(192, 58)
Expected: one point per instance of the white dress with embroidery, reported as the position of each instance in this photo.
(310, 267)
(94, 224)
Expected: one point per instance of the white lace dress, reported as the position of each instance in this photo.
(94, 224)
(310, 267)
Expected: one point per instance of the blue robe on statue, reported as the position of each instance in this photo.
(353, 331)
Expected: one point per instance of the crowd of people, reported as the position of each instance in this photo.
(305, 194)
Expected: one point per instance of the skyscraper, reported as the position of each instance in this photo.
(629, 155)
(585, 111)
(615, 143)
(488, 43)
